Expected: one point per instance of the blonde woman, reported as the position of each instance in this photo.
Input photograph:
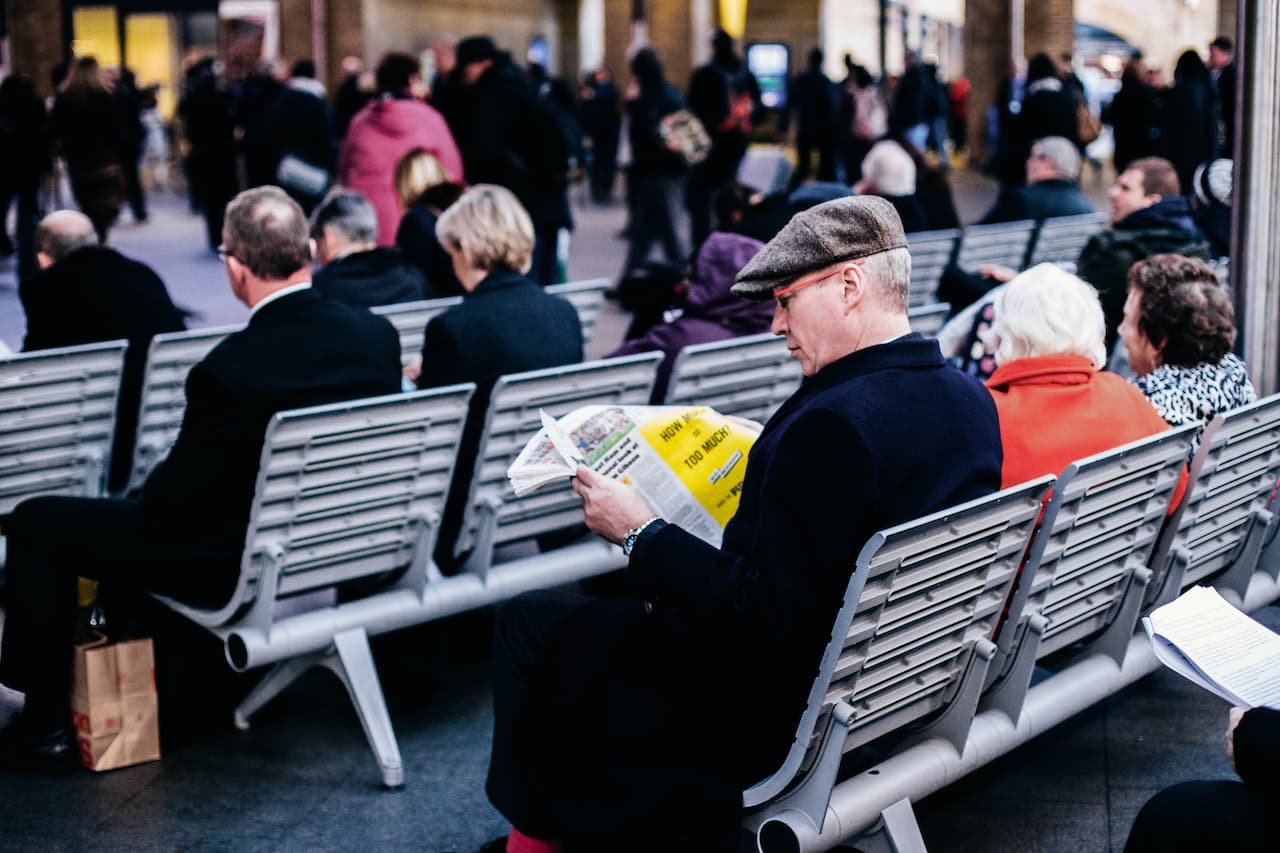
(424, 191)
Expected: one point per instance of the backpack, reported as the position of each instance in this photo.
(870, 116)
(683, 135)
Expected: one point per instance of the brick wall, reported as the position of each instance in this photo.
(986, 62)
(1049, 27)
(35, 40)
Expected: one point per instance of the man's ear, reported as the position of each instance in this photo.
(853, 285)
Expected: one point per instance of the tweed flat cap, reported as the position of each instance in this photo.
(840, 230)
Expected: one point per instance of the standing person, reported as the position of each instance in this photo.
(602, 121)
(1222, 64)
(24, 161)
(936, 110)
(510, 138)
(87, 129)
(133, 134)
(1191, 117)
(301, 134)
(207, 121)
(384, 131)
(867, 119)
(253, 99)
(813, 99)
(1134, 116)
(958, 115)
(725, 97)
(1048, 109)
(910, 99)
(592, 737)
(183, 535)
(355, 90)
(657, 174)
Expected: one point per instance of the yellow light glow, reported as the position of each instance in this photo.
(733, 17)
(96, 34)
(150, 54)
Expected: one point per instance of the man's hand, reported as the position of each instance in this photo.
(1233, 719)
(611, 508)
(996, 271)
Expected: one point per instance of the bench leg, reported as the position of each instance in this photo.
(272, 684)
(897, 832)
(1010, 692)
(353, 664)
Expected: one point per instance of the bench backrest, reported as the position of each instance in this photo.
(1235, 470)
(1003, 243)
(1101, 524)
(922, 594)
(513, 418)
(1061, 239)
(749, 376)
(57, 420)
(931, 251)
(928, 319)
(164, 399)
(587, 297)
(346, 491)
(411, 318)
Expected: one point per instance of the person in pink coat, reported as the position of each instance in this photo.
(384, 131)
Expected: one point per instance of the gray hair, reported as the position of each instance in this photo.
(347, 212)
(891, 272)
(267, 232)
(889, 169)
(1048, 311)
(62, 232)
(1060, 153)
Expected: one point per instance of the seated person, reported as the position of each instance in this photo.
(741, 209)
(356, 269)
(1055, 403)
(183, 535)
(932, 189)
(711, 312)
(505, 324)
(1179, 327)
(596, 701)
(86, 293)
(1211, 205)
(424, 191)
(889, 172)
(1221, 814)
(1053, 170)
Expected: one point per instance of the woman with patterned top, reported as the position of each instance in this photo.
(1179, 327)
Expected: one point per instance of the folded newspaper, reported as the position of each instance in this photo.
(687, 461)
(1206, 640)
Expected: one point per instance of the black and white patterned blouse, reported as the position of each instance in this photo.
(1183, 395)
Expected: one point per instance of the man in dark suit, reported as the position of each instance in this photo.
(182, 536)
(598, 703)
(356, 269)
(86, 293)
(1223, 67)
(1053, 169)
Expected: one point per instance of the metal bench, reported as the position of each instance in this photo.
(164, 399)
(1229, 510)
(1004, 243)
(909, 644)
(931, 251)
(1086, 572)
(57, 419)
(928, 319)
(345, 492)
(1060, 240)
(495, 517)
(410, 318)
(749, 376)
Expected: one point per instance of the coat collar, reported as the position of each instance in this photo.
(497, 280)
(1044, 370)
(909, 351)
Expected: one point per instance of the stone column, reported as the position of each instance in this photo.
(987, 59)
(344, 31)
(617, 40)
(1049, 27)
(671, 32)
(295, 30)
(36, 42)
(1227, 18)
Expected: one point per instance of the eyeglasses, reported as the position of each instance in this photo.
(784, 295)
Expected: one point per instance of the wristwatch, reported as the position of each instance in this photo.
(629, 541)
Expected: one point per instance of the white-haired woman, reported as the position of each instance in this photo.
(1054, 402)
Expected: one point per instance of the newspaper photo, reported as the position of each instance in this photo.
(688, 462)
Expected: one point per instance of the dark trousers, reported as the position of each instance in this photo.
(804, 155)
(545, 268)
(133, 188)
(28, 216)
(699, 199)
(54, 540)
(1202, 816)
(604, 169)
(655, 201)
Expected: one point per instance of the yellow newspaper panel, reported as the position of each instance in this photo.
(707, 452)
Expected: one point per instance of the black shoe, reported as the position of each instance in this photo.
(28, 749)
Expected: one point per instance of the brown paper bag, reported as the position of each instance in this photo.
(114, 704)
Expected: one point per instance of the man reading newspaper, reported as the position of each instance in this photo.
(635, 723)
